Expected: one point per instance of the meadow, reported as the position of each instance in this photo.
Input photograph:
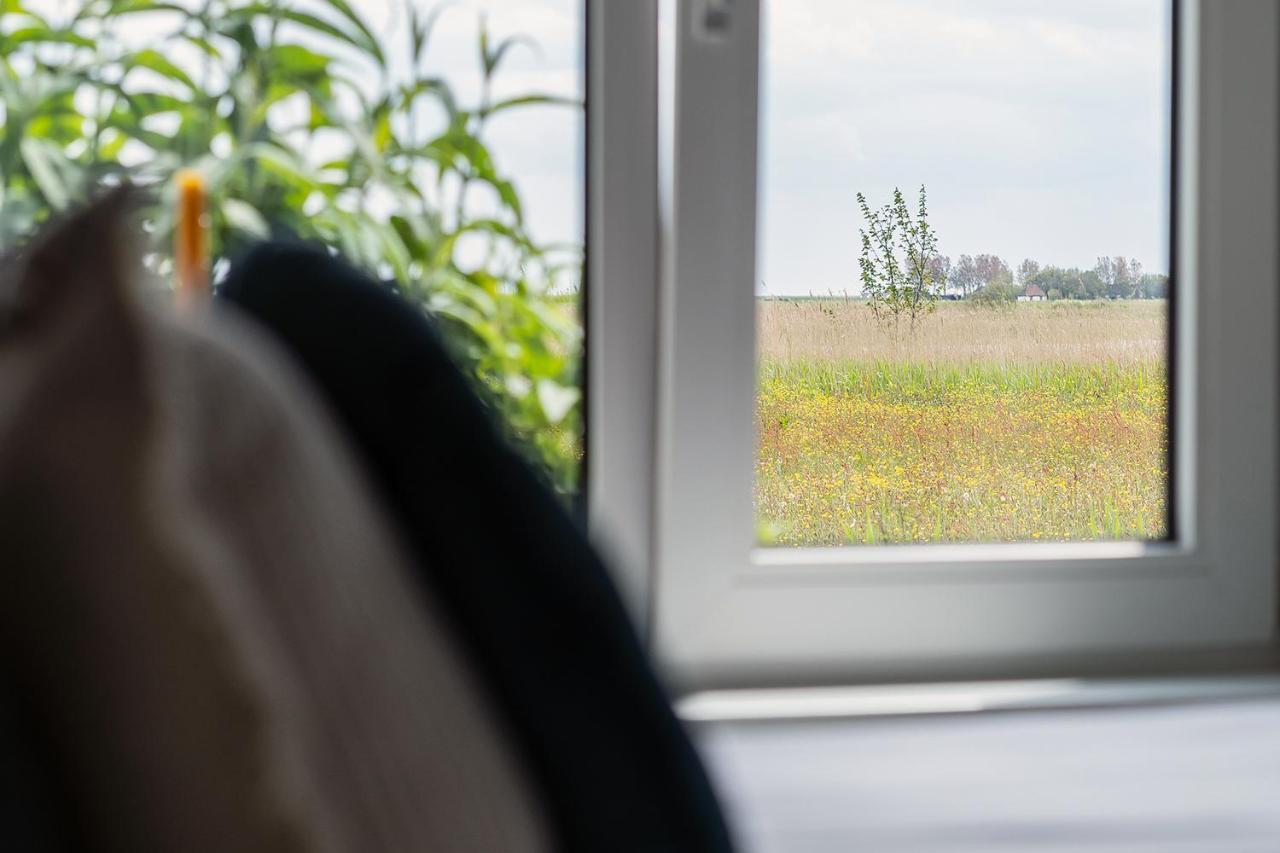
(1027, 422)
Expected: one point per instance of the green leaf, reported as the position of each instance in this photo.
(113, 142)
(44, 35)
(61, 126)
(420, 30)
(18, 8)
(154, 103)
(510, 197)
(128, 123)
(47, 165)
(245, 218)
(532, 100)
(556, 400)
(501, 229)
(276, 92)
(133, 7)
(153, 60)
(205, 46)
(371, 42)
(437, 86)
(282, 162)
(358, 39)
(394, 251)
(492, 59)
(317, 24)
(294, 59)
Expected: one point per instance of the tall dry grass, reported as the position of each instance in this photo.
(834, 331)
(1031, 422)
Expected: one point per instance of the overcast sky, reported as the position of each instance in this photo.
(1038, 126)
(542, 147)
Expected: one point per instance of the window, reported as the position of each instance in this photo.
(990, 365)
(724, 609)
(439, 144)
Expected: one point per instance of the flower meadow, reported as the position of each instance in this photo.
(1044, 442)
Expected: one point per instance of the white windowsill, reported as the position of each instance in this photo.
(968, 697)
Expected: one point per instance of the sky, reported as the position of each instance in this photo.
(1039, 127)
(541, 147)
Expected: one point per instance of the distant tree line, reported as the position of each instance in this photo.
(989, 278)
(903, 276)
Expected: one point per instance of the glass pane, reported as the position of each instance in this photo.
(436, 144)
(964, 263)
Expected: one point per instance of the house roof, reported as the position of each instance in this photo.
(1032, 290)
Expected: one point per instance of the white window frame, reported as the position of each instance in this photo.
(621, 297)
(671, 330)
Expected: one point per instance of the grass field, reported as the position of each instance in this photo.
(1033, 422)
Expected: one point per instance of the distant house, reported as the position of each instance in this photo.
(1032, 293)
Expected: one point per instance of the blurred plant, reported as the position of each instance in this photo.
(305, 123)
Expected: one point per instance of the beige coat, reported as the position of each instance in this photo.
(201, 598)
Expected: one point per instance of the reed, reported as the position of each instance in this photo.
(1036, 423)
(1022, 333)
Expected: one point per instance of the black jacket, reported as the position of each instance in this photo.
(528, 597)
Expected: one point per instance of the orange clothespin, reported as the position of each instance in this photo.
(190, 240)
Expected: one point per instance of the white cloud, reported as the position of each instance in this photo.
(1037, 125)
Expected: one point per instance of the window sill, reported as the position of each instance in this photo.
(794, 703)
(1188, 764)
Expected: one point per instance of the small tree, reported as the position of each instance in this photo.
(899, 268)
(1027, 271)
(1117, 276)
(992, 269)
(1154, 286)
(940, 268)
(1135, 278)
(998, 292)
(964, 276)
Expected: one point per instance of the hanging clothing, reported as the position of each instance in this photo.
(534, 606)
(204, 606)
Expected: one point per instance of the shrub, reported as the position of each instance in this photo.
(248, 93)
(997, 293)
